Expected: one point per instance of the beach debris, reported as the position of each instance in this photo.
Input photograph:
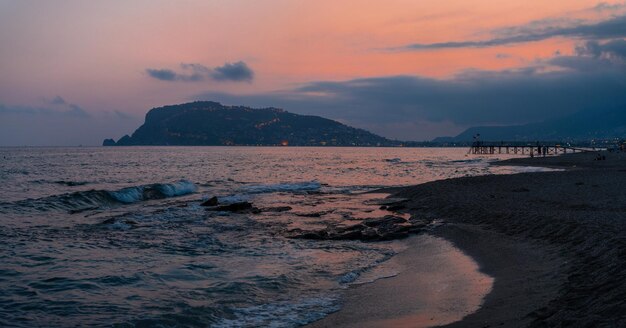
(210, 202)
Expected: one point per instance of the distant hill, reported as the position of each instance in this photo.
(211, 123)
(585, 125)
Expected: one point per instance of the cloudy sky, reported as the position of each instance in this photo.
(76, 72)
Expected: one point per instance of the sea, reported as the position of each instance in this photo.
(117, 236)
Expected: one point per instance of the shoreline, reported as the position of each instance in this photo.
(427, 266)
(555, 242)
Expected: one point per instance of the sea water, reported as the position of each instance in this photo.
(116, 236)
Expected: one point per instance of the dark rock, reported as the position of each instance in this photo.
(306, 234)
(387, 220)
(368, 233)
(311, 215)
(414, 220)
(234, 207)
(210, 202)
(375, 229)
(396, 232)
(384, 207)
(522, 189)
(108, 142)
(415, 228)
(395, 207)
(350, 233)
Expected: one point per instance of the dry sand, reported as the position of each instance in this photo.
(555, 242)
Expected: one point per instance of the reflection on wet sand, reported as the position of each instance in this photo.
(437, 284)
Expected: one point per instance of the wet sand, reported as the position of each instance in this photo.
(555, 243)
(437, 284)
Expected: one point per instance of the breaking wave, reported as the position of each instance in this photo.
(93, 199)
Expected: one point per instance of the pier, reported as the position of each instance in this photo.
(536, 149)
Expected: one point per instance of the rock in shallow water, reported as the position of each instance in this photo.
(373, 229)
(210, 202)
(234, 207)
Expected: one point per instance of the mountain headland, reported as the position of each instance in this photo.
(207, 123)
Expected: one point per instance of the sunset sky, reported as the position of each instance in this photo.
(76, 72)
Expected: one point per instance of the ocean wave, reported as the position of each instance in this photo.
(283, 187)
(153, 191)
(94, 199)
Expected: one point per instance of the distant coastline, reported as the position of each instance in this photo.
(207, 123)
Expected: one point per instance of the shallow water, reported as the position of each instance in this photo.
(101, 236)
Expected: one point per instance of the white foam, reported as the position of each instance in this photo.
(182, 187)
(527, 169)
(128, 195)
(136, 194)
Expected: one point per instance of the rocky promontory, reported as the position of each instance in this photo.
(207, 123)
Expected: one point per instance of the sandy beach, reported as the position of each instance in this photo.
(554, 243)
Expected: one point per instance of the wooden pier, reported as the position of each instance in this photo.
(536, 149)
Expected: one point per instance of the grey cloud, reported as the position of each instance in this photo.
(123, 115)
(58, 101)
(196, 68)
(594, 56)
(386, 104)
(60, 125)
(614, 48)
(603, 6)
(59, 109)
(162, 74)
(170, 75)
(614, 27)
(236, 72)
(76, 110)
